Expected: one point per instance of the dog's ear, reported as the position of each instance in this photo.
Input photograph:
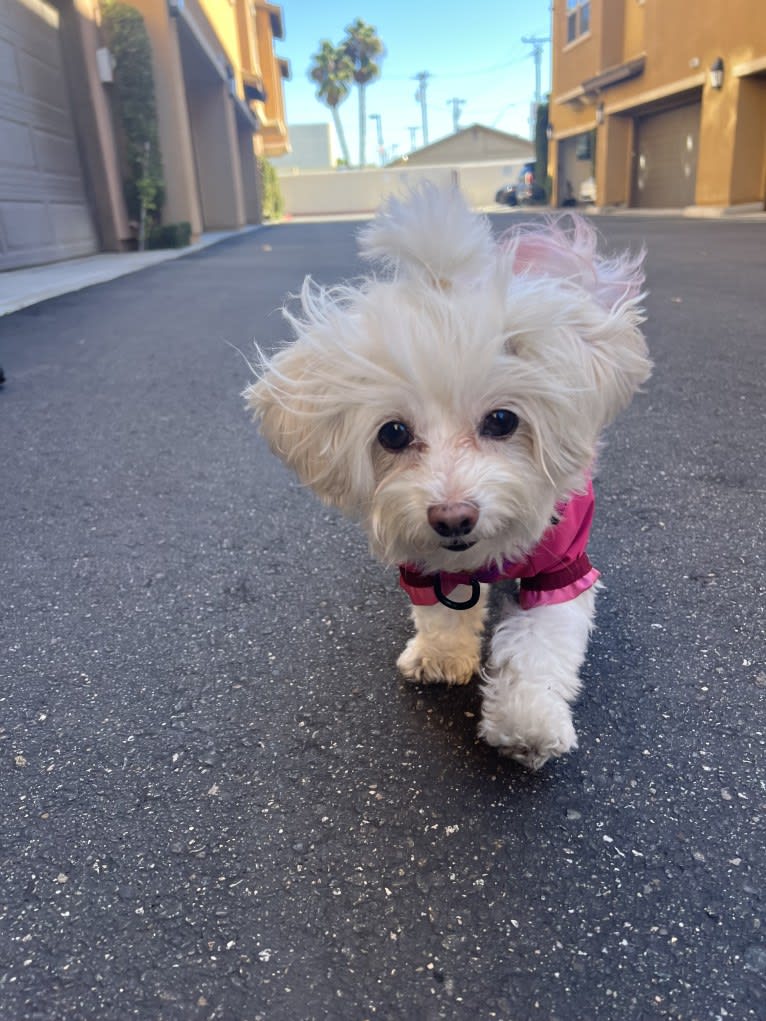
(305, 410)
(432, 235)
(605, 296)
(304, 425)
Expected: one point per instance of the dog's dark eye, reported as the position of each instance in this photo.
(394, 436)
(498, 423)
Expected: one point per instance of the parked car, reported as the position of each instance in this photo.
(507, 195)
(523, 190)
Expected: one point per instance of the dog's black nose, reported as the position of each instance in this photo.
(451, 520)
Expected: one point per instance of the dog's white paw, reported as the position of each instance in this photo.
(527, 723)
(428, 664)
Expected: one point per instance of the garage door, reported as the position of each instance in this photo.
(44, 212)
(575, 164)
(666, 158)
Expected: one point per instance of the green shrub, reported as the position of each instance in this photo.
(273, 200)
(135, 108)
(541, 148)
(169, 235)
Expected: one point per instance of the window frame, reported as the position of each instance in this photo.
(577, 13)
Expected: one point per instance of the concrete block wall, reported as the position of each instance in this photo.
(361, 191)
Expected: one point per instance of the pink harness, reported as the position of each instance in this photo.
(557, 569)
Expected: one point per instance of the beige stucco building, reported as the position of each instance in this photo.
(474, 144)
(662, 101)
(218, 88)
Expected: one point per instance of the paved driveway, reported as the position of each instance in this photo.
(219, 801)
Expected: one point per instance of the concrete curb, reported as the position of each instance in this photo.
(726, 214)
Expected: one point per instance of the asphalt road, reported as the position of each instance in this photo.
(218, 798)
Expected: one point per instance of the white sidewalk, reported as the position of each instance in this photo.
(22, 287)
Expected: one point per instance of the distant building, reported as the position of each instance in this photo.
(664, 104)
(474, 144)
(218, 89)
(311, 148)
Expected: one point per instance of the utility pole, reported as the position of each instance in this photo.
(420, 97)
(456, 105)
(537, 43)
(381, 148)
(413, 136)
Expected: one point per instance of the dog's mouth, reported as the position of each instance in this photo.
(457, 547)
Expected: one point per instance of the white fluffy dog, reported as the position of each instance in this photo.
(454, 404)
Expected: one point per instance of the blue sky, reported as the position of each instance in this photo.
(472, 50)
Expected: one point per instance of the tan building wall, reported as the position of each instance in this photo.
(218, 88)
(271, 111)
(211, 58)
(640, 58)
(470, 145)
(60, 181)
(92, 114)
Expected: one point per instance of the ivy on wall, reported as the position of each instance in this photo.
(135, 108)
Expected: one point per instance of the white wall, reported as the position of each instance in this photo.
(311, 146)
(361, 191)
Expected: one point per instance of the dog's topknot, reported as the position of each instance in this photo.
(432, 234)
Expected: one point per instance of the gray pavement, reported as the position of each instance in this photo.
(219, 799)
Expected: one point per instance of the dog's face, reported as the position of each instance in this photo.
(450, 404)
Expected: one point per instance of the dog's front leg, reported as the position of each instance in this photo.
(533, 677)
(447, 644)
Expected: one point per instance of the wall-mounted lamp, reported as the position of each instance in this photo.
(105, 65)
(231, 81)
(600, 114)
(549, 132)
(715, 73)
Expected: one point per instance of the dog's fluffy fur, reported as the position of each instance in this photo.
(456, 325)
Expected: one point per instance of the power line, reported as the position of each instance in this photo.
(420, 97)
(505, 110)
(456, 105)
(537, 43)
(461, 74)
(381, 147)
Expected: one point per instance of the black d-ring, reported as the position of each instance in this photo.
(471, 601)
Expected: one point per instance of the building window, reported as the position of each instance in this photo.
(584, 146)
(578, 19)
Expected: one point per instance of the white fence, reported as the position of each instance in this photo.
(361, 191)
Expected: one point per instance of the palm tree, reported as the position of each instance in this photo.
(332, 70)
(362, 44)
